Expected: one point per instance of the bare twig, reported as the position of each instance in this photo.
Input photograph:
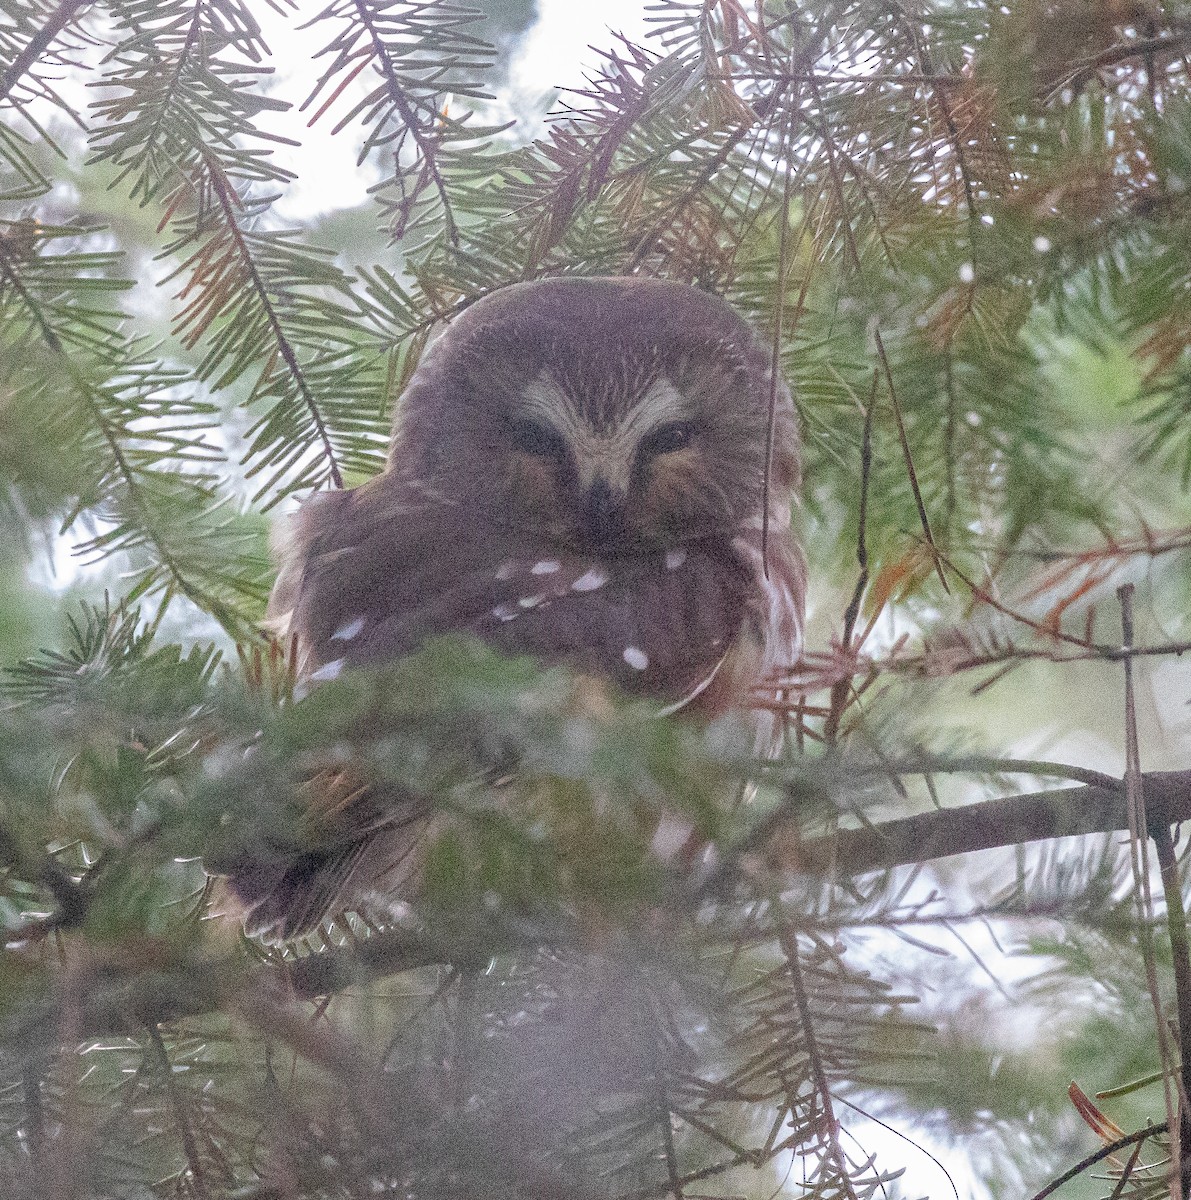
(1135, 801)
(840, 690)
(1132, 1139)
(1176, 926)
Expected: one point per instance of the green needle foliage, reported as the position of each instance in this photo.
(964, 229)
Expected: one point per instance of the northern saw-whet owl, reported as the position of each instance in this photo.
(579, 472)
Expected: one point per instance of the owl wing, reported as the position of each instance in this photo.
(373, 576)
(370, 574)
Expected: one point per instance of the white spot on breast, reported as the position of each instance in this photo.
(546, 567)
(505, 612)
(348, 630)
(530, 601)
(670, 836)
(675, 558)
(588, 582)
(506, 570)
(331, 670)
(635, 657)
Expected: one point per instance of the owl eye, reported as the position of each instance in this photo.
(538, 438)
(666, 439)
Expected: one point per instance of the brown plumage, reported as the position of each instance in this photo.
(578, 472)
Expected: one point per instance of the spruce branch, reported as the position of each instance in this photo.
(829, 1125)
(48, 29)
(230, 205)
(423, 54)
(1005, 822)
(147, 478)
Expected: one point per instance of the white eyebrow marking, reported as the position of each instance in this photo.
(331, 670)
(546, 567)
(588, 582)
(348, 630)
(607, 452)
(530, 601)
(661, 402)
(635, 657)
(675, 558)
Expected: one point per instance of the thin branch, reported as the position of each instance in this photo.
(1145, 48)
(1127, 1173)
(775, 361)
(840, 689)
(826, 670)
(1136, 803)
(1142, 1135)
(911, 472)
(1008, 821)
(1176, 926)
(178, 1104)
(401, 102)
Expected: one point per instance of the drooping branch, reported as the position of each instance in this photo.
(402, 102)
(230, 204)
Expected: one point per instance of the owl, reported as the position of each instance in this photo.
(579, 471)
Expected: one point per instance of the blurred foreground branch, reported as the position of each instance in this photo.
(115, 1000)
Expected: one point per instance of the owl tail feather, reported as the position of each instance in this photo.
(376, 860)
(288, 899)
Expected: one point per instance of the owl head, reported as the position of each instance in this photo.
(609, 414)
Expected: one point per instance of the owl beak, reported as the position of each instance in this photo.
(602, 513)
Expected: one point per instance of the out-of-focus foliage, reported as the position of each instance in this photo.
(964, 227)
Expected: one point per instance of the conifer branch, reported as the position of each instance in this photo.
(65, 12)
(826, 1122)
(426, 146)
(231, 207)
